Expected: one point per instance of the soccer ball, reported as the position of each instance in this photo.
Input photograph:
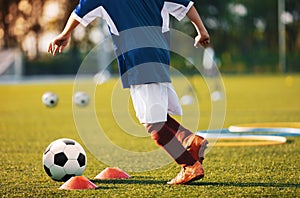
(50, 99)
(63, 159)
(187, 100)
(81, 98)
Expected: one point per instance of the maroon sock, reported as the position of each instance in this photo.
(180, 132)
(164, 136)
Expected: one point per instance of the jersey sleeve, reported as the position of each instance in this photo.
(87, 11)
(178, 8)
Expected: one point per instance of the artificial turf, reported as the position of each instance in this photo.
(27, 127)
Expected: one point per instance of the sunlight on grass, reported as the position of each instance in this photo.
(27, 127)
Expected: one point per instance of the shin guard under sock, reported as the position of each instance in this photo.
(181, 133)
(164, 136)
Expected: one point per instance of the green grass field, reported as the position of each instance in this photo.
(27, 127)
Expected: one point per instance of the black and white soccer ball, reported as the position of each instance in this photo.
(50, 99)
(81, 98)
(63, 159)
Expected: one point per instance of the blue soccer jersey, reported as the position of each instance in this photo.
(139, 29)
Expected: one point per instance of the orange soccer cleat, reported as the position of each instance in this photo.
(188, 174)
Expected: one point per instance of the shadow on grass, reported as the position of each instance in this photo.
(247, 184)
(135, 180)
(132, 180)
(290, 141)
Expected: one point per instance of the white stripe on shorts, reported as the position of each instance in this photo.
(152, 102)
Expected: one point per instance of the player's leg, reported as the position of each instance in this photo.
(195, 144)
(165, 137)
(151, 104)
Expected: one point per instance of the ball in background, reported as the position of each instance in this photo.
(50, 99)
(63, 159)
(187, 100)
(81, 98)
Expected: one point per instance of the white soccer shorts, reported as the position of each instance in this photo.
(152, 102)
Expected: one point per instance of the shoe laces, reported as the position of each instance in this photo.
(182, 172)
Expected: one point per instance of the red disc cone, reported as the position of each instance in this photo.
(78, 183)
(112, 173)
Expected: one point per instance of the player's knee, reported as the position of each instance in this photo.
(154, 129)
(155, 136)
(151, 127)
(160, 133)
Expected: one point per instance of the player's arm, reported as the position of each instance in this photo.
(59, 43)
(203, 37)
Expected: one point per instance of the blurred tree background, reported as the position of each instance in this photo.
(244, 34)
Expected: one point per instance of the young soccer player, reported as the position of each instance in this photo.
(145, 71)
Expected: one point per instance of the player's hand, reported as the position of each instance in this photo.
(202, 39)
(58, 44)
